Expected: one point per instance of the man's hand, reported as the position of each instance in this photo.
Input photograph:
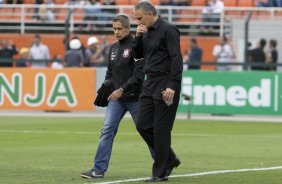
(168, 94)
(116, 94)
(141, 29)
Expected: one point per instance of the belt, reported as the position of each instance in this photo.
(155, 75)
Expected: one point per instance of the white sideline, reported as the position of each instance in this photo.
(237, 118)
(194, 174)
(98, 133)
(124, 133)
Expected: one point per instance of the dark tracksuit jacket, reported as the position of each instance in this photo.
(123, 71)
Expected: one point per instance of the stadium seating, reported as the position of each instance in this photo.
(79, 15)
(62, 14)
(227, 3)
(189, 15)
(155, 2)
(122, 2)
(261, 14)
(198, 2)
(6, 13)
(233, 13)
(29, 2)
(278, 14)
(230, 3)
(246, 3)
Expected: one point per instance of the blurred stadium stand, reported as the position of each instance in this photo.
(18, 23)
(187, 19)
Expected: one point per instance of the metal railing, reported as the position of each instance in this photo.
(46, 18)
(246, 66)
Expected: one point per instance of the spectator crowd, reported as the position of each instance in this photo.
(37, 55)
(95, 53)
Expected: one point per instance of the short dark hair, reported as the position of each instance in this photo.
(37, 36)
(225, 39)
(123, 19)
(273, 43)
(147, 6)
(193, 40)
(262, 43)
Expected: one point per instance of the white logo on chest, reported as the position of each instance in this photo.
(126, 53)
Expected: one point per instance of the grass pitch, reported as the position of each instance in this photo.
(51, 150)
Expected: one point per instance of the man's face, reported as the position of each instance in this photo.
(4, 43)
(37, 41)
(143, 17)
(192, 44)
(94, 46)
(120, 31)
(222, 41)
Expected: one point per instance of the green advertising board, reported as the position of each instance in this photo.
(258, 93)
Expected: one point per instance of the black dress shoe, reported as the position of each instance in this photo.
(156, 179)
(176, 162)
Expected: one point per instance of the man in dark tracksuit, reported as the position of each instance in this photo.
(258, 56)
(159, 41)
(126, 75)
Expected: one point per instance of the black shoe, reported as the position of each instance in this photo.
(176, 162)
(156, 179)
(92, 174)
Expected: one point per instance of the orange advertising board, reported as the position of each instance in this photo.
(47, 89)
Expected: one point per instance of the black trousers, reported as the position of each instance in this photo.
(155, 122)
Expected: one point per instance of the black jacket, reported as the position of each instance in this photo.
(258, 56)
(103, 93)
(123, 71)
(6, 54)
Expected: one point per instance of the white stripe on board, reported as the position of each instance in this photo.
(276, 98)
(194, 174)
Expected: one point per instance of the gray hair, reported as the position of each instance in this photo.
(123, 19)
(146, 6)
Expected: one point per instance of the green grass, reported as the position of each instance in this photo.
(49, 150)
